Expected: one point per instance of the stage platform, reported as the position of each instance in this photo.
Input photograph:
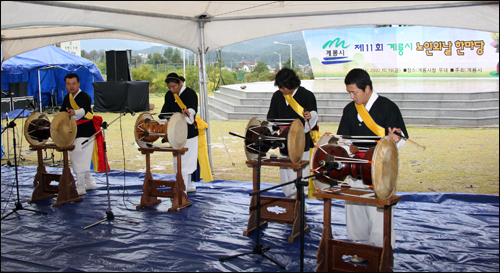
(388, 85)
(456, 102)
(435, 232)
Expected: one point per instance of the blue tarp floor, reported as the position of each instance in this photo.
(435, 231)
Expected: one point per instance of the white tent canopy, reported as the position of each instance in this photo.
(207, 25)
(30, 24)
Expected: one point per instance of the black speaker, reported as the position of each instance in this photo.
(21, 103)
(6, 106)
(117, 65)
(110, 66)
(18, 89)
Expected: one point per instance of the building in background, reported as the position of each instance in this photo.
(72, 47)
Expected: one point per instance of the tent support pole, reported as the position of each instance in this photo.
(202, 78)
(39, 92)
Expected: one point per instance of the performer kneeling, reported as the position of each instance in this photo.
(78, 104)
(184, 100)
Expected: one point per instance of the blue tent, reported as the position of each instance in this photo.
(47, 66)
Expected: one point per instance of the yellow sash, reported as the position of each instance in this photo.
(205, 171)
(76, 107)
(295, 105)
(370, 123)
(179, 101)
(315, 135)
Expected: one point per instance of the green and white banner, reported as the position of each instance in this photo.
(403, 52)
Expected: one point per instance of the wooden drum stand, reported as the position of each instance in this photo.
(330, 251)
(66, 190)
(150, 186)
(37, 130)
(293, 207)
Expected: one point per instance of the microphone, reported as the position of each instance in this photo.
(330, 165)
(130, 111)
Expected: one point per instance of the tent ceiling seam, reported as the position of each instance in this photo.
(53, 35)
(109, 10)
(269, 3)
(214, 18)
(439, 6)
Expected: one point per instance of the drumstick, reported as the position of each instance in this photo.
(310, 128)
(171, 113)
(349, 137)
(411, 141)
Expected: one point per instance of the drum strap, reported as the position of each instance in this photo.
(370, 123)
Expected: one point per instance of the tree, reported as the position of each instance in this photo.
(84, 54)
(176, 57)
(168, 53)
(143, 73)
(94, 56)
(259, 73)
(156, 58)
(287, 65)
(102, 56)
(260, 67)
(136, 60)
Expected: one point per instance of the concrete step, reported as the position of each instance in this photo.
(421, 120)
(427, 108)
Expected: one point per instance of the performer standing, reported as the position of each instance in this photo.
(78, 104)
(293, 101)
(368, 115)
(184, 100)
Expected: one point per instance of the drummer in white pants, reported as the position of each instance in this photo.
(182, 99)
(78, 104)
(369, 114)
(288, 174)
(189, 163)
(80, 159)
(293, 101)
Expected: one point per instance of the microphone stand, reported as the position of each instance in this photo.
(109, 214)
(258, 248)
(19, 206)
(300, 183)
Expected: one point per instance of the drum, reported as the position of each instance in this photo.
(38, 129)
(377, 168)
(291, 139)
(148, 130)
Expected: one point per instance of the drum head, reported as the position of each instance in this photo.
(177, 131)
(254, 122)
(63, 129)
(30, 121)
(385, 168)
(296, 141)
